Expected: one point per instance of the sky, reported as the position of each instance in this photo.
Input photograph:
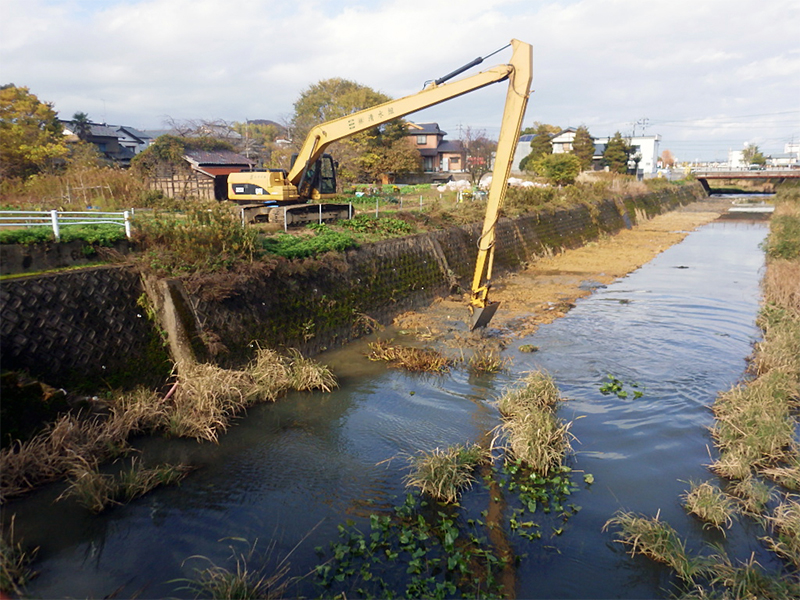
(708, 76)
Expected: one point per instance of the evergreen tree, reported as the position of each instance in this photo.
(583, 147)
(616, 153)
(541, 145)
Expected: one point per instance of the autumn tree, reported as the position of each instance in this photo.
(615, 156)
(583, 147)
(31, 137)
(480, 150)
(259, 139)
(378, 154)
(667, 159)
(560, 169)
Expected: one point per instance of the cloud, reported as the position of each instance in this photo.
(602, 63)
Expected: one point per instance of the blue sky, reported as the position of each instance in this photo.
(708, 76)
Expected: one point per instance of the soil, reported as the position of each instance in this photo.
(549, 287)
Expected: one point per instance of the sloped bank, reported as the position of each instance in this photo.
(93, 326)
(325, 303)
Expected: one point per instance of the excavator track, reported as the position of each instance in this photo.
(296, 215)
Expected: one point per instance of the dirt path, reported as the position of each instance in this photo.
(548, 288)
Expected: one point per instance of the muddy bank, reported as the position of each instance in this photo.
(549, 286)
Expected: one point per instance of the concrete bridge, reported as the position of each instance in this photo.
(779, 174)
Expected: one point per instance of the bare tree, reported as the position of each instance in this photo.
(480, 151)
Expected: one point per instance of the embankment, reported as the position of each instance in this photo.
(104, 326)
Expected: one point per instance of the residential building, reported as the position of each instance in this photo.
(438, 155)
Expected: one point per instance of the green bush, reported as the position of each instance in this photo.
(386, 226)
(102, 234)
(30, 235)
(784, 237)
(323, 240)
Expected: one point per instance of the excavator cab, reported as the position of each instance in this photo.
(319, 180)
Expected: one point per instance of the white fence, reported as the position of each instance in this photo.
(56, 218)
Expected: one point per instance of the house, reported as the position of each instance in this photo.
(562, 141)
(105, 138)
(438, 155)
(203, 175)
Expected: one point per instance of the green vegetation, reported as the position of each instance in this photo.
(323, 239)
(559, 169)
(486, 361)
(617, 387)
(383, 227)
(709, 503)
(102, 234)
(98, 491)
(615, 156)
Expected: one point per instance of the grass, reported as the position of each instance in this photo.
(710, 504)
(486, 361)
(745, 581)
(532, 431)
(242, 581)
(205, 399)
(657, 540)
(15, 561)
(444, 474)
(786, 524)
(752, 494)
(98, 491)
(424, 360)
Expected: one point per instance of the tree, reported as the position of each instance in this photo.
(667, 159)
(583, 147)
(561, 169)
(615, 156)
(541, 145)
(31, 137)
(378, 154)
(479, 153)
(82, 125)
(753, 156)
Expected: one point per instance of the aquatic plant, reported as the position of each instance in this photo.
(752, 494)
(617, 387)
(710, 504)
(444, 473)
(746, 580)
(486, 361)
(655, 539)
(786, 522)
(424, 360)
(243, 581)
(98, 491)
(530, 427)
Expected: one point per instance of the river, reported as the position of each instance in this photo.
(288, 474)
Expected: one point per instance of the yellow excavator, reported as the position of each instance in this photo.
(283, 197)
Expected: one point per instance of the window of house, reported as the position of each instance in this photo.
(422, 139)
(454, 160)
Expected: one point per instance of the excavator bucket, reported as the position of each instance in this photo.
(481, 316)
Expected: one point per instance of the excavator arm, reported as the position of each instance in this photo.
(518, 72)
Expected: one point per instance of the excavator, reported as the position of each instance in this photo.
(283, 197)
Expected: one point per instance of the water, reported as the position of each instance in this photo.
(681, 328)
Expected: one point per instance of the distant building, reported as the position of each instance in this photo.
(438, 155)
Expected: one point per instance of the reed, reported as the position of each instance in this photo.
(15, 561)
(746, 580)
(786, 524)
(98, 491)
(657, 540)
(444, 474)
(424, 360)
(710, 504)
(306, 374)
(242, 581)
(787, 475)
(752, 494)
(486, 361)
(532, 431)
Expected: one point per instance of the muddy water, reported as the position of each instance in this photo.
(285, 476)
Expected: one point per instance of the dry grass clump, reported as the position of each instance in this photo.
(746, 581)
(205, 398)
(532, 430)
(242, 582)
(98, 491)
(443, 474)
(752, 494)
(15, 571)
(424, 360)
(780, 349)
(787, 475)
(656, 540)
(486, 361)
(786, 523)
(710, 504)
(754, 422)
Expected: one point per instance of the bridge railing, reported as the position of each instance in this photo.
(55, 219)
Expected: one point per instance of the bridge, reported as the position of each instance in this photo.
(780, 174)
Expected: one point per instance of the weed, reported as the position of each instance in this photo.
(536, 390)
(528, 348)
(617, 387)
(215, 581)
(443, 474)
(709, 503)
(487, 361)
(656, 540)
(15, 571)
(786, 523)
(748, 580)
(323, 240)
(754, 495)
(412, 359)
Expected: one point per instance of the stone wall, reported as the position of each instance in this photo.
(91, 326)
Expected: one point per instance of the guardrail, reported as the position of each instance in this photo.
(56, 218)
